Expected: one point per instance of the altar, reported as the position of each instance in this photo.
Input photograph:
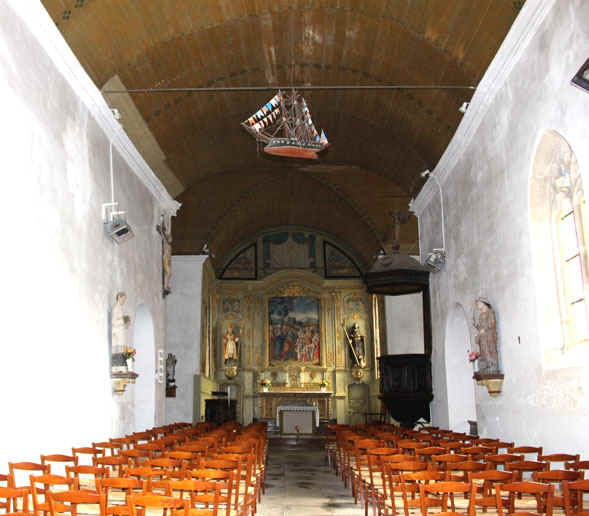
(297, 419)
(269, 402)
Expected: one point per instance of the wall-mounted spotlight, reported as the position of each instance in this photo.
(464, 107)
(581, 78)
(115, 222)
(437, 257)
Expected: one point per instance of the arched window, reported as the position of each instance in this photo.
(559, 231)
(570, 256)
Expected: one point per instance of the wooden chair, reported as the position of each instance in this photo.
(16, 499)
(203, 496)
(136, 457)
(86, 476)
(409, 486)
(463, 469)
(543, 493)
(126, 486)
(502, 459)
(581, 465)
(65, 460)
(441, 461)
(145, 474)
(116, 463)
(525, 450)
(68, 501)
(78, 453)
(485, 482)
(446, 491)
(526, 466)
(558, 457)
(242, 503)
(426, 454)
(557, 477)
(25, 468)
(411, 446)
(42, 485)
(476, 452)
(113, 448)
(574, 493)
(168, 504)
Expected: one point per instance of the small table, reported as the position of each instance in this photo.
(289, 417)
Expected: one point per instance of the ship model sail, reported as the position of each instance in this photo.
(284, 124)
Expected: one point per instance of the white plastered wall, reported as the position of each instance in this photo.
(61, 273)
(183, 308)
(485, 176)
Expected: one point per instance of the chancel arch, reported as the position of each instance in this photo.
(287, 321)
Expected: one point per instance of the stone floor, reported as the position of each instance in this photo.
(300, 483)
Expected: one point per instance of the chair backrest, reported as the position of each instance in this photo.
(117, 462)
(71, 499)
(11, 497)
(210, 494)
(574, 494)
(127, 485)
(542, 492)
(43, 484)
(553, 458)
(168, 504)
(25, 469)
(86, 476)
(526, 450)
(446, 491)
(57, 458)
(502, 459)
(87, 450)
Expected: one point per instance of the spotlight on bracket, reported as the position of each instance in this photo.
(436, 259)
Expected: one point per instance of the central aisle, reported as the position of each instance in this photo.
(300, 483)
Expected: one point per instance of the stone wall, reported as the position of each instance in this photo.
(61, 271)
(485, 179)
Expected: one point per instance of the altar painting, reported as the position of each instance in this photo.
(294, 333)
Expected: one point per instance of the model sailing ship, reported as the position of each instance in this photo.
(284, 123)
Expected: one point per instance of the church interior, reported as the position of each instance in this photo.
(424, 263)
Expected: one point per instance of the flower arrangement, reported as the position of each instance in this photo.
(265, 382)
(323, 384)
(129, 353)
(473, 355)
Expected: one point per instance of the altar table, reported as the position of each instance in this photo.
(289, 417)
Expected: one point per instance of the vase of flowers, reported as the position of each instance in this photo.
(129, 355)
(323, 386)
(265, 384)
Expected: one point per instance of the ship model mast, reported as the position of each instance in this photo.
(284, 124)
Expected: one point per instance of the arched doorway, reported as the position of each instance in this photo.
(459, 382)
(144, 343)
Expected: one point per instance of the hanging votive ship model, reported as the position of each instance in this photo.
(284, 124)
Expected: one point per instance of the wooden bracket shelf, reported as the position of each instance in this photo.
(120, 380)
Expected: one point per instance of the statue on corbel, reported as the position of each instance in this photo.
(357, 348)
(485, 323)
(231, 350)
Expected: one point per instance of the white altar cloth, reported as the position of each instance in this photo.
(297, 408)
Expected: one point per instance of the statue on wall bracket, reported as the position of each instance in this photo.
(357, 345)
(485, 323)
(231, 347)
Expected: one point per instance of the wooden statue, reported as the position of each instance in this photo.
(486, 325)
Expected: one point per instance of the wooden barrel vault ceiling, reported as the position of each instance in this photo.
(380, 141)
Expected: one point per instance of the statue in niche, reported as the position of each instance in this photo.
(231, 345)
(486, 339)
(120, 324)
(171, 362)
(357, 346)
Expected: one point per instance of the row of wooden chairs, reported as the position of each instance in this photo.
(231, 458)
(375, 461)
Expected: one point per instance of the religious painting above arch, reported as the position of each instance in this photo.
(244, 266)
(293, 330)
(337, 263)
(288, 250)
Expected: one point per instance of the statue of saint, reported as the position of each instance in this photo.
(356, 342)
(120, 324)
(171, 361)
(486, 338)
(231, 345)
